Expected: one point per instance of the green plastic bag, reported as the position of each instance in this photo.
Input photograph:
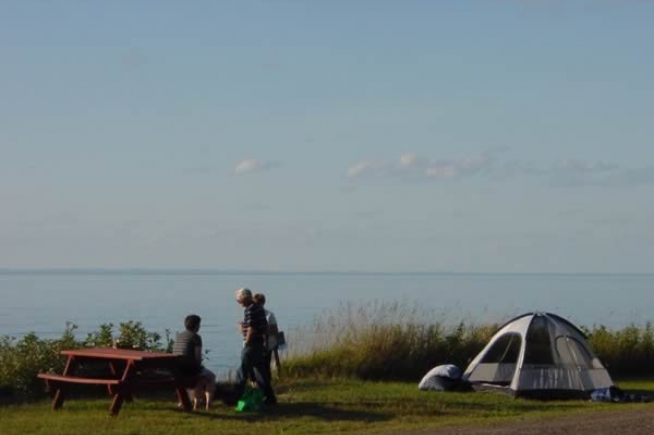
(251, 401)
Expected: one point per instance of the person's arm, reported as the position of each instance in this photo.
(198, 350)
(248, 334)
(247, 324)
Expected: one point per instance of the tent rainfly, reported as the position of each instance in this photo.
(539, 355)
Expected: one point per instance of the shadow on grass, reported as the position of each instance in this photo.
(638, 391)
(285, 411)
(371, 411)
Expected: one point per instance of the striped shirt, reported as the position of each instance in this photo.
(255, 319)
(185, 344)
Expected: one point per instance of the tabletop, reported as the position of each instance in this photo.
(121, 354)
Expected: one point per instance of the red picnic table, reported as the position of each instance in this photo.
(128, 372)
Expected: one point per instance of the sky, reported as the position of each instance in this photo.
(494, 136)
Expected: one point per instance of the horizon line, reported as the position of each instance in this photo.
(208, 271)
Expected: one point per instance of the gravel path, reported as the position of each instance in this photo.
(632, 422)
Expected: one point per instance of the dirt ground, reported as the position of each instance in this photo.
(626, 422)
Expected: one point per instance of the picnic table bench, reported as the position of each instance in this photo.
(128, 372)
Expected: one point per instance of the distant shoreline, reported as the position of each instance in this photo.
(218, 272)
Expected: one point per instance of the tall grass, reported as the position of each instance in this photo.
(625, 352)
(379, 341)
(384, 341)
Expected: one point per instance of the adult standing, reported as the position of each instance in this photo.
(271, 332)
(253, 356)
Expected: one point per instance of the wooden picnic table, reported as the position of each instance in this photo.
(129, 371)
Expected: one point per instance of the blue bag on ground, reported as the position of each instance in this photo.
(616, 395)
(611, 394)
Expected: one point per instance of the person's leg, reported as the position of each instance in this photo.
(193, 396)
(244, 371)
(199, 391)
(268, 362)
(209, 387)
(262, 372)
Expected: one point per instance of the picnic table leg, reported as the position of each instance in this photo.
(58, 400)
(116, 404)
(127, 395)
(59, 396)
(124, 391)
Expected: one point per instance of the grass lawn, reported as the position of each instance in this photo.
(306, 407)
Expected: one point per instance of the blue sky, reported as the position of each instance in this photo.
(459, 136)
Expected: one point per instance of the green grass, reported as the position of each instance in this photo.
(306, 407)
(360, 344)
(396, 341)
(372, 341)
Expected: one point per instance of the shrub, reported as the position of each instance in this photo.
(625, 352)
(131, 334)
(22, 359)
(394, 342)
(384, 342)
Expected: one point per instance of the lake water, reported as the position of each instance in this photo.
(44, 301)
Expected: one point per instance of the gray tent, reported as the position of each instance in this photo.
(539, 355)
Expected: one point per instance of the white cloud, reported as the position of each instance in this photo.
(564, 172)
(408, 160)
(573, 173)
(448, 171)
(474, 162)
(412, 165)
(578, 173)
(584, 167)
(458, 168)
(248, 166)
(365, 167)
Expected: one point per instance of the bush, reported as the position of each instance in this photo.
(384, 342)
(22, 359)
(626, 352)
(394, 342)
(132, 335)
(392, 352)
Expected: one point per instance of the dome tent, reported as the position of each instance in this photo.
(539, 355)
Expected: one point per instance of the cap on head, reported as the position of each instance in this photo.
(243, 294)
